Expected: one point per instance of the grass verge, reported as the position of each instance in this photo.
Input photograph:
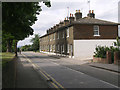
(6, 57)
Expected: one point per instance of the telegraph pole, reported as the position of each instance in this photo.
(89, 4)
(68, 12)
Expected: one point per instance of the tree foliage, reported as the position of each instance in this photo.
(35, 41)
(18, 17)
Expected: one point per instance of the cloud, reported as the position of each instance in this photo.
(104, 9)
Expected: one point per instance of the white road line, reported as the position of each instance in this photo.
(75, 71)
(109, 83)
(69, 68)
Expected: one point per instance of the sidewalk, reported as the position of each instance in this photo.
(110, 67)
(26, 76)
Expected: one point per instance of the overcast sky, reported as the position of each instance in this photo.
(104, 9)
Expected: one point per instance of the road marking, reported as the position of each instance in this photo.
(54, 80)
(51, 77)
(69, 68)
(109, 83)
(46, 76)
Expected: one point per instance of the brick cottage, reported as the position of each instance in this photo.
(78, 37)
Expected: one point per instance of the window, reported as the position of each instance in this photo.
(58, 47)
(54, 36)
(63, 48)
(96, 30)
(67, 48)
(53, 47)
(48, 38)
(58, 36)
(50, 47)
(68, 32)
(118, 30)
(63, 34)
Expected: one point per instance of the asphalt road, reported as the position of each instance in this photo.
(73, 76)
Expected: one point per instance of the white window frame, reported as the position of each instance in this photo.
(96, 29)
(67, 32)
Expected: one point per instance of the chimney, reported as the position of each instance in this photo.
(50, 30)
(78, 15)
(54, 28)
(66, 21)
(91, 14)
(71, 18)
(61, 24)
(47, 31)
(57, 26)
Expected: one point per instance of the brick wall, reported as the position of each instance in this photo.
(87, 32)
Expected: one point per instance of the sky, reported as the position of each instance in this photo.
(103, 9)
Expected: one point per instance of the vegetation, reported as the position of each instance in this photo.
(101, 50)
(35, 40)
(18, 17)
(34, 46)
(27, 48)
(117, 43)
(6, 57)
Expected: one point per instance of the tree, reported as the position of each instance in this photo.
(117, 43)
(18, 17)
(35, 40)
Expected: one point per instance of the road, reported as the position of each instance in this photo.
(68, 75)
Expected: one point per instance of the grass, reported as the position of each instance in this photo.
(6, 57)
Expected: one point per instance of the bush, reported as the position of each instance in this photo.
(101, 51)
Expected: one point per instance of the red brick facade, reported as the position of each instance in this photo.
(86, 32)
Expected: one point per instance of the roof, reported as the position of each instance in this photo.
(88, 20)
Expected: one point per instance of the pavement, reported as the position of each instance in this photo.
(65, 76)
(109, 67)
(26, 76)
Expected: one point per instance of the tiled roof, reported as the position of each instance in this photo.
(88, 20)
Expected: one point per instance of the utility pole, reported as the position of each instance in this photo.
(68, 12)
(89, 4)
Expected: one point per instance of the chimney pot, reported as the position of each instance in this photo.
(78, 15)
(70, 14)
(92, 15)
(89, 11)
(76, 11)
(67, 18)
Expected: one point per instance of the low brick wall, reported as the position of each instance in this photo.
(108, 59)
(117, 57)
(99, 60)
